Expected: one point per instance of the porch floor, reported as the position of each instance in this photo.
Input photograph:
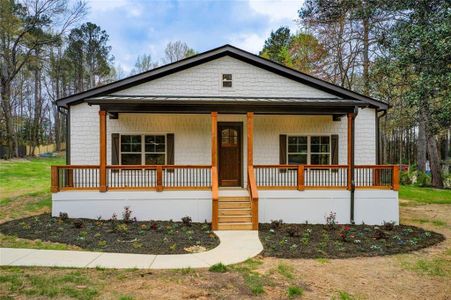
(235, 247)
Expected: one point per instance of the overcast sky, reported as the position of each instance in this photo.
(140, 27)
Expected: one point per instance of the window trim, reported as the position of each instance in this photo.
(221, 81)
(143, 147)
(309, 152)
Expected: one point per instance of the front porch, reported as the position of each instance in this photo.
(177, 188)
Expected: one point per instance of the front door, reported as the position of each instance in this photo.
(230, 156)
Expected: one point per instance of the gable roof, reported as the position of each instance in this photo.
(226, 50)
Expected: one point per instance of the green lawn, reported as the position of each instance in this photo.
(425, 195)
(25, 186)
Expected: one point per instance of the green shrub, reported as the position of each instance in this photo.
(405, 178)
(218, 268)
(422, 179)
(295, 291)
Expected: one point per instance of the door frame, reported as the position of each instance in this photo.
(240, 135)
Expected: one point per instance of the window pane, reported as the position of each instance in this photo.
(150, 139)
(131, 159)
(150, 148)
(226, 84)
(159, 139)
(314, 140)
(126, 147)
(297, 159)
(319, 159)
(314, 148)
(325, 148)
(226, 76)
(160, 148)
(292, 140)
(292, 148)
(324, 140)
(302, 148)
(136, 139)
(136, 148)
(302, 140)
(155, 159)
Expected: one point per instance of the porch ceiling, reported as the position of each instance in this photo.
(207, 104)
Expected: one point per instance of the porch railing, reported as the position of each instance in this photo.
(136, 177)
(302, 177)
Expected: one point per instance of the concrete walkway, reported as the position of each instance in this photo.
(234, 247)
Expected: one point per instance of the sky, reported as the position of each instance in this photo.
(138, 27)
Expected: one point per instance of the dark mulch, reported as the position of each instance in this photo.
(152, 237)
(342, 241)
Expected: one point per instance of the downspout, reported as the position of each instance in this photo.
(378, 135)
(67, 115)
(354, 115)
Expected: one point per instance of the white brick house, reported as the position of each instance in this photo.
(228, 137)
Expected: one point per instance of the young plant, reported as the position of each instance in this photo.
(64, 216)
(218, 268)
(293, 231)
(78, 223)
(295, 291)
(276, 224)
(331, 220)
(127, 215)
(187, 221)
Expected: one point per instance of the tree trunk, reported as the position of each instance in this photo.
(5, 87)
(366, 60)
(421, 145)
(434, 159)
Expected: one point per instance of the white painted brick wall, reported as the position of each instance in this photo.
(205, 79)
(192, 134)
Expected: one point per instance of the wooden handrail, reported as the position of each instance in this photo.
(154, 167)
(253, 192)
(215, 198)
(306, 166)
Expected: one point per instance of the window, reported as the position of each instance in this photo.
(229, 137)
(314, 150)
(143, 149)
(155, 149)
(226, 80)
(319, 150)
(297, 150)
(131, 149)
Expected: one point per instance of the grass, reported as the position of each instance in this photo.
(295, 291)
(253, 280)
(25, 185)
(425, 195)
(342, 295)
(285, 270)
(433, 267)
(73, 285)
(218, 268)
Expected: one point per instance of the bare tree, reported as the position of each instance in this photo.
(176, 51)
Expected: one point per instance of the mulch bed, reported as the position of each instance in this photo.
(342, 241)
(152, 237)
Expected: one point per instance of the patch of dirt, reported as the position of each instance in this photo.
(151, 237)
(342, 241)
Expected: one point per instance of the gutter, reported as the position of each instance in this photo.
(356, 112)
(67, 115)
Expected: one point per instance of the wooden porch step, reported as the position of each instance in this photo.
(235, 226)
(235, 219)
(232, 199)
(235, 212)
(234, 204)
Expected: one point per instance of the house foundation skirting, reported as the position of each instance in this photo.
(144, 205)
(373, 207)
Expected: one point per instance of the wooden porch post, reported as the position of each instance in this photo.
(102, 156)
(214, 170)
(250, 139)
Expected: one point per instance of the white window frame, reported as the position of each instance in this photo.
(309, 152)
(143, 147)
(221, 82)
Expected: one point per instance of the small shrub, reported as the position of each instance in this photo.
(218, 268)
(137, 245)
(101, 244)
(295, 291)
(346, 233)
(293, 231)
(276, 224)
(127, 215)
(78, 223)
(64, 216)
(389, 226)
(379, 233)
(405, 178)
(187, 221)
(123, 228)
(331, 220)
(422, 179)
(154, 226)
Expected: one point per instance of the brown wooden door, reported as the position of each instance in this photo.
(230, 155)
